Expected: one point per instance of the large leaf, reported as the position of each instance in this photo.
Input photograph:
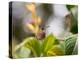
(71, 45)
(56, 50)
(48, 42)
(34, 45)
(31, 44)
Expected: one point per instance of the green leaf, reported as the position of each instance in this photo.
(73, 9)
(22, 52)
(75, 51)
(70, 6)
(30, 43)
(56, 50)
(74, 20)
(70, 44)
(48, 42)
(34, 45)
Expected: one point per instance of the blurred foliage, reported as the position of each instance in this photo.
(70, 6)
(37, 48)
(22, 52)
(74, 18)
(48, 43)
(70, 44)
(49, 46)
(56, 50)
